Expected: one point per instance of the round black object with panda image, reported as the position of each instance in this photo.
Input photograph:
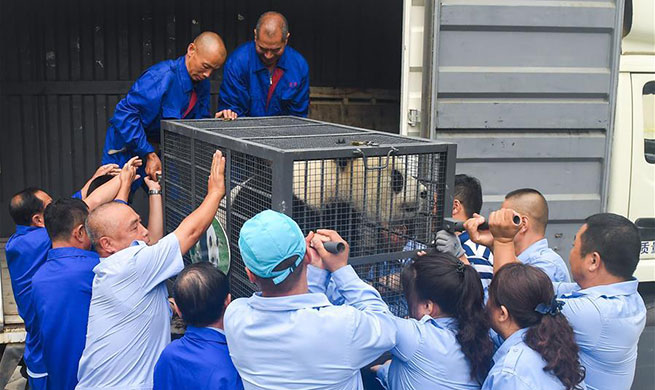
(213, 247)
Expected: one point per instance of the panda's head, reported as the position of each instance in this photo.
(384, 191)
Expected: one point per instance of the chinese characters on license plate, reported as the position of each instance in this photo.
(647, 248)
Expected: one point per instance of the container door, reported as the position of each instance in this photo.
(527, 90)
(412, 67)
(642, 186)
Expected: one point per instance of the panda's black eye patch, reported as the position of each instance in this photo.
(397, 181)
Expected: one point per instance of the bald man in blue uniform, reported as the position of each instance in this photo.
(172, 89)
(265, 77)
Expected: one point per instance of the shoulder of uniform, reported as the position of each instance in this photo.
(169, 352)
(158, 73)
(513, 357)
(236, 304)
(241, 53)
(298, 58)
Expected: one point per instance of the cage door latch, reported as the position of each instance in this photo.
(379, 167)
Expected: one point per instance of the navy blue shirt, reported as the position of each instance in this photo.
(199, 360)
(162, 92)
(61, 290)
(246, 82)
(27, 250)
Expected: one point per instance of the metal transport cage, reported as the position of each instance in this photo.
(385, 194)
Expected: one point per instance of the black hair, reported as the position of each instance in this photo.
(200, 291)
(285, 24)
(469, 193)
(24, 205)
(616, 239)
(62, 215)
(267, 284)
(97, 182)
(521, 288)
(456, 289)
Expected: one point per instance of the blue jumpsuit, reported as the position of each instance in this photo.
(162, 92)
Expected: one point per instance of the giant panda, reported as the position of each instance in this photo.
(361, 201)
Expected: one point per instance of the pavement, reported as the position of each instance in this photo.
(17, 382)
(645, 373)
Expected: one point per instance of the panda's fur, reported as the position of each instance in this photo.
(340, 194)
(386, 194)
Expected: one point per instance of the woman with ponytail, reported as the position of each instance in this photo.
(446, 344)
(539, 351)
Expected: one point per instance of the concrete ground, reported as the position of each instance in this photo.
(17, 382)
(645, 374)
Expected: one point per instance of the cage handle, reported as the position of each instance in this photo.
(380, 167)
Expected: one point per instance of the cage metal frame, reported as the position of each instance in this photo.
(282, 161)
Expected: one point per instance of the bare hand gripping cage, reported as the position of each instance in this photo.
(385, 194)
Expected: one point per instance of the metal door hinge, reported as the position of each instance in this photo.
(414, 117)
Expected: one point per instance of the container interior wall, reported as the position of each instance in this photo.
(65, 65)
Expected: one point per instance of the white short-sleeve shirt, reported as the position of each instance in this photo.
(129, 316)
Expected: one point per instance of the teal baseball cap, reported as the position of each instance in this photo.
(266, 240)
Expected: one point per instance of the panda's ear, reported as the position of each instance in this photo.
(343, 162)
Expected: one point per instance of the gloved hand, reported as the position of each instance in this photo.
(449, 243)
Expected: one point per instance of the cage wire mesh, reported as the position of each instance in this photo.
(251, 193)
(383, 205)
(178, 183)
(386, 204)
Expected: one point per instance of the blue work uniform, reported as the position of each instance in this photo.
(246, 83)
(129, 316)
(519, 367)
(541, 256)
(62, 293)
(162, 92)
(607, 321)
(26, 251)
(303, 341)
(427, 355)
(199, 360)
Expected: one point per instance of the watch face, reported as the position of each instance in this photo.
(212, 247)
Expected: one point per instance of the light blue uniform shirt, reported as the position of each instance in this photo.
(303, 341)
(427, 356)
(519, 367)
(607, 322)
(541, 256)
(129, 316)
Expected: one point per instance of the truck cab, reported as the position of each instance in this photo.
(632, 163)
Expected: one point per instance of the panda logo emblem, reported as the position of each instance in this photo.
(212, 247)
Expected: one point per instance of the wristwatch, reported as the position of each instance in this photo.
(154, 192)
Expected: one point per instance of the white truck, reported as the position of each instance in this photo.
(554, 95)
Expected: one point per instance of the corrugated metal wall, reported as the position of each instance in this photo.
(526, 89)
(65, 65)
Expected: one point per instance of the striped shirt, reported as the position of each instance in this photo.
(480, 258)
